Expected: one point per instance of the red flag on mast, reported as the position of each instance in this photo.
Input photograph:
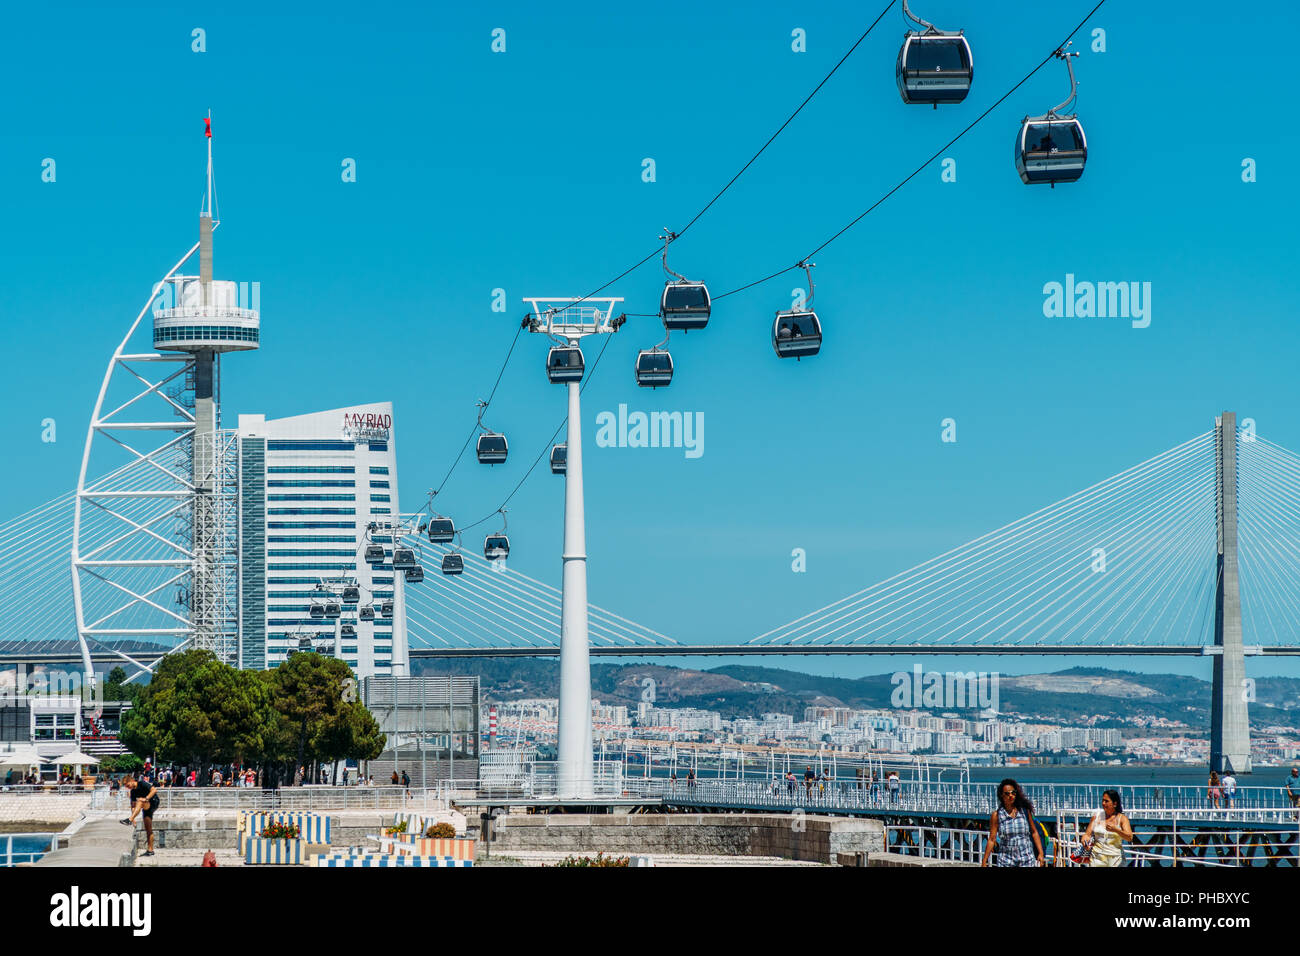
(207, 127)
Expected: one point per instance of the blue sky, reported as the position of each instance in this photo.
(522, 170)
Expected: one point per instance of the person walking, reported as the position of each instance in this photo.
(895, 786)
(1012, 829)
(1107, 832)
(1229, 789)
(1291, 786)
(144, 800)
(1214, 791)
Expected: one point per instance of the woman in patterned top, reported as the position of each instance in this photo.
(1012, 829)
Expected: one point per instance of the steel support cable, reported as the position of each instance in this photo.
(1183, 560)
(916, 172)
(1275, 542)
(1257, 593)
(1087, 598)
(488, 613)
(984, 549)
(508, 606)
(490, 623)
(1067, 535)
(1276, 505)
(983, 558)
(614, 622)
(481, 627)
(1032, 593)
(1282, 504)
(17, 537)
(1181, 554)
(552, 611)
(1139, 531)
(1041, 515)
(1197, 591)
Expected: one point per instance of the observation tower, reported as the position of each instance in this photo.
(154, 527)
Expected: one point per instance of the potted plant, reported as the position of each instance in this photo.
(278, 843)
(439, 839)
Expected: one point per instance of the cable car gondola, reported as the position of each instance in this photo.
(317, 611)
(414, 575)
(348, 630)
(403, 559)
(374, 554)
(441, 530)
(1052, 148)
(351, 594)
(333, 610)
(685, 304)
(798, 333)
(491, 447)
(934, 66)
(564, 364)
(559, 458)
(386, 609)
(654, 368)
(453, 563)
(367, 612)
(496, 547)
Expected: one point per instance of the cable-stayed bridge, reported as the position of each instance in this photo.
(1191, 552)
(1128, 565)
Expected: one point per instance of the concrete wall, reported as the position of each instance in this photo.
(813, 839)
(215, 829)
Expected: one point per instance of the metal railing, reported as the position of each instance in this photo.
(310, 798)
(11, 857)
(1252, 804)
(1181, 839)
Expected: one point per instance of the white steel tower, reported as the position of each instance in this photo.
(569, 320)
(153, 545)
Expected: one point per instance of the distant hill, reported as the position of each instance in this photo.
(740, 690)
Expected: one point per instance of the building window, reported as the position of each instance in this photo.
(379, 484)
(311, 483)
(379, 469)
(290, 445)
(388, 498)
(284, 525)
(311, 511)
(310, 497)
(313, 553)
(312, 469)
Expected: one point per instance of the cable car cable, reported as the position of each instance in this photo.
(771, 139)
(938, 153)
(547, 450)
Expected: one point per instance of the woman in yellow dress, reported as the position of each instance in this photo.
(1108, 832)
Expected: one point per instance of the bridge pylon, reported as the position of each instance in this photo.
(1229, 721)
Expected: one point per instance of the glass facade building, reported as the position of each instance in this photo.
(308, 488)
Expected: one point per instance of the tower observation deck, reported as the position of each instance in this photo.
(154, 523)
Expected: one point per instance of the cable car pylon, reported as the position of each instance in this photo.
(571, 319)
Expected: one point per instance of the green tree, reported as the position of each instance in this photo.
(310, 694)
(198, 710)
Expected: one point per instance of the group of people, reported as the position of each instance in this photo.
(1020, 839)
